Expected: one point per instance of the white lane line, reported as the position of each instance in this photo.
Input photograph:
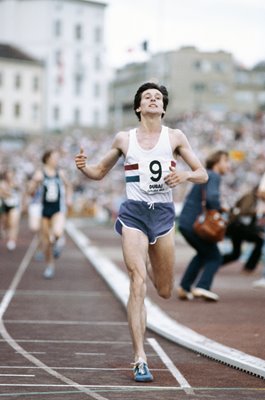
(19, 375)
(52, 322)
(17, 278)
(110, 342)
(80, 368)
(90, 354)
(3, 307)
(167, 327)
(55, 293)
(118, 387)
(184, 384)
(32, 352)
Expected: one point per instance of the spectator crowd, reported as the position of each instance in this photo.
(242, 136)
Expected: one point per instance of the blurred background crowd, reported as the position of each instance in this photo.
(242, 136)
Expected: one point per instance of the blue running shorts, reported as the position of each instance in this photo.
(153, 219)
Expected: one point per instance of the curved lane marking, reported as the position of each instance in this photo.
(3, 307)
(169, 328)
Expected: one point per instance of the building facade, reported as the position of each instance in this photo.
(197, 81)
(68, 35)
(250, 89)
(21, 92)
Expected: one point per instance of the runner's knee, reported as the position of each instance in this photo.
(165, 291)
(138, 284)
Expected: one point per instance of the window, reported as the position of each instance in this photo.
(97, 90)
(56, 114)
(96, 117)
(202, 65)
(77, 116)
(98, 35)
(242, 77)
(127, 107)
(58, 57)
(78, 32)
(17, 81)
(78, 83)
(17, 110)
(59, 81)
(220, 66)
(97, 63)
(35, 112)
(57, 28)
(244, 97)
(58, 5)
(259, 78)
(199, 87)
(219, 88)
(206, 66)
(261, 97)
(197, 65)
(36, 83)
(78, 57)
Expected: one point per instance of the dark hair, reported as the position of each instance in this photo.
(47, 155)
(214, 158)
(143, 88)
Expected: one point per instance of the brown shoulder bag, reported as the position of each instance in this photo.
(210, 224)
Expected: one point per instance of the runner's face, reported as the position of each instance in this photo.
(151, 102)
(224, 165)
(53, 160)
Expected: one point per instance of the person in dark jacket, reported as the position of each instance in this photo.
(243, 227)
(204, 265)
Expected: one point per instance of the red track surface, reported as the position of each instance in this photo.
(68, 338)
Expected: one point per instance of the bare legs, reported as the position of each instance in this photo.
(12, 219)
(160, 268)
(52, 230)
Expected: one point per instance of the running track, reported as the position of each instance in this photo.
(68, 338)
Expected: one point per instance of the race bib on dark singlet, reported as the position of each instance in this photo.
(12, 201)
(52, 192)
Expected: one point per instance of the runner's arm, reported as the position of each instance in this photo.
(99, 170)
(196, 174)
(68, 188)
(33, 184)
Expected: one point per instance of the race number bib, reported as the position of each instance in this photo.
(152, 174)
(52, 192)
(12, 201)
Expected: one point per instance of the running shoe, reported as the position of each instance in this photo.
(39, 256)
(205, 294)
(184, 294)
(49, 272)
(58, 247)
(260, 283)
(141, 372)
(11, 245)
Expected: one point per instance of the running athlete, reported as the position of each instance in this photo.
(10, 207)
(56, 197)
(146, 219)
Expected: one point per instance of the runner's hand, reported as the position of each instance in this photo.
(80, 159)
(175, 177)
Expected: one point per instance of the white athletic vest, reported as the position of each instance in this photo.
(145, 169)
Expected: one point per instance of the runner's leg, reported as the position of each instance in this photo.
(57, 225)
(162, 257)
(45, 236)
(135, 246)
